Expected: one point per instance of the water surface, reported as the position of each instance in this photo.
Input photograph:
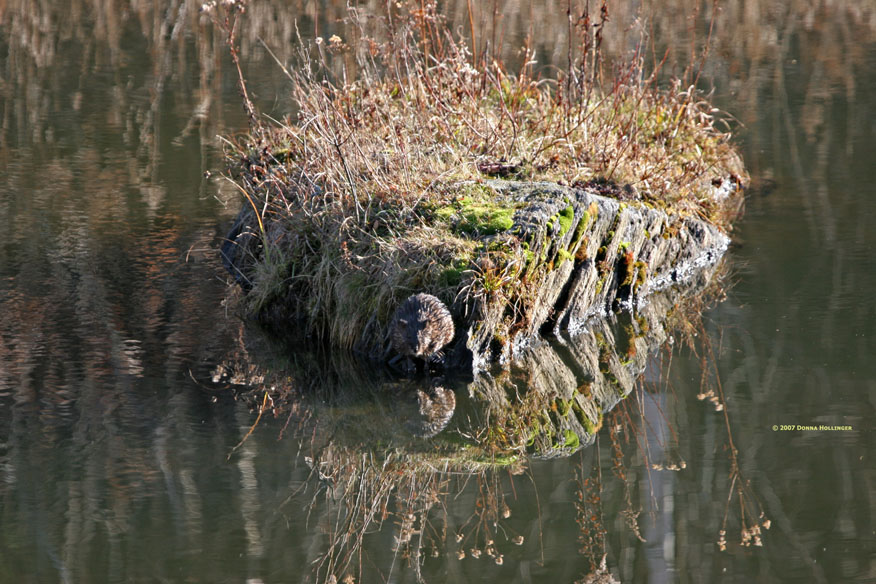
(118, 458)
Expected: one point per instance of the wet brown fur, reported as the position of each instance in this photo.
(421, 326)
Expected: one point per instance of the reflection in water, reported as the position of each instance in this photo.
(362, 433)
(114, 463)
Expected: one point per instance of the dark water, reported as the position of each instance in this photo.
(117, 450)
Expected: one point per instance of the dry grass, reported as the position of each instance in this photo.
(348, 188)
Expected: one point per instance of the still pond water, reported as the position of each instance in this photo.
(121, 457)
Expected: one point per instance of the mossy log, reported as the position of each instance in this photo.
(542, 258)
(587, 255)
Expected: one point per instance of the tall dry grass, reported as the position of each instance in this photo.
(392, 118)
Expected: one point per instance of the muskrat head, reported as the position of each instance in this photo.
(411, 335)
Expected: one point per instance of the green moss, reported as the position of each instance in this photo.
(457, 440)
(575, 246)
(498, 245)
(445, 213)
(485, 219)
(591, 427)
(544, 250)
(565, 217)
(563, 255)
(641, 270)
(578, 237)
(451, 277)
(477, 212)
(583, 223)
(587, 423)
(494, 459)
(572, 440)
(564, 407)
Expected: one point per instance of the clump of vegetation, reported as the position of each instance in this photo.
(357, 196)
(477, 211)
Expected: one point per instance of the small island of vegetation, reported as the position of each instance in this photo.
(526, 203)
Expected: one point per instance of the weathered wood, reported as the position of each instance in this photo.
(613, 254)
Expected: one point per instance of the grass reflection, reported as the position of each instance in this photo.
(453, 490)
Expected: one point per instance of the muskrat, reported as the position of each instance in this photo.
(422, 325)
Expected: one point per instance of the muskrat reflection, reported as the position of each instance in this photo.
(435, 408)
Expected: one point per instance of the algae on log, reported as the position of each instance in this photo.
(569, 254)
